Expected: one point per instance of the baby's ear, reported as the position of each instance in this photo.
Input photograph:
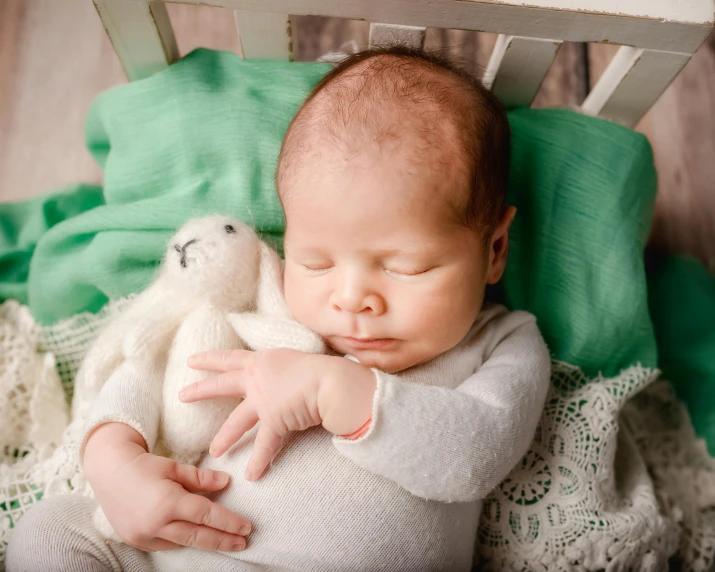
(269, 296)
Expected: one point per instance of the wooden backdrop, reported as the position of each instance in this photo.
(55, 58)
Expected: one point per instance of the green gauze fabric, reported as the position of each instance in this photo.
(585, 193)
(682, 306)
(203, 136)
(22, 225)
(199, 138)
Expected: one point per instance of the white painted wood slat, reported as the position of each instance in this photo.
(390, 34)
(632, 82)
(627, 26)
(141, 34)
(265, 35)
(517, 68)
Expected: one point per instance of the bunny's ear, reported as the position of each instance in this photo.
(269, 332)
(269, 298)
(272, 325)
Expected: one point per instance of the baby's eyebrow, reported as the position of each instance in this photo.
(433, 245)
(423, 252)
(316, 251)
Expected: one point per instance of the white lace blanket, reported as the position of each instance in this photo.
(615, 478)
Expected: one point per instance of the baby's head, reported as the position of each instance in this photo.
(392, 177)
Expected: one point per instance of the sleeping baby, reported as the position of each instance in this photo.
(392, 176)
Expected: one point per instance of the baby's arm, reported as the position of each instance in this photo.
(132, 396)
(457, 445)
(145, 497)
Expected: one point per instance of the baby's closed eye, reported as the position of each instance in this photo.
(392, 270)
(317, 267)
(407, 271)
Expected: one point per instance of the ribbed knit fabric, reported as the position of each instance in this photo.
(57, 535)
(406, 496)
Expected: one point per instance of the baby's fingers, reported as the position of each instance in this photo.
(229, 384)
(194, 479)
(201, 537)
(219, 361)
(241, 420)
(266, 446)
(200, 510)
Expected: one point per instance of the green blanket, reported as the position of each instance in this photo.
(682, 304)
(23, 224)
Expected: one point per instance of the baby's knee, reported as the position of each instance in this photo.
(56, 534)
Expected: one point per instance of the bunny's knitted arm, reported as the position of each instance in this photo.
(144, 329)
(132, 395)
(456, 445)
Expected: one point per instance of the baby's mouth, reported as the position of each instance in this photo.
(369, 343)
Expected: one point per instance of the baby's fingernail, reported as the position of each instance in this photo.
(239, 546)
(250, 475)
(244, 530)
(221, 478)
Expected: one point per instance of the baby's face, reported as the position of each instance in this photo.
(374, 263)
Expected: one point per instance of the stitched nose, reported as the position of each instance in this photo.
(182, 251)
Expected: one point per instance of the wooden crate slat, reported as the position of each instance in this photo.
(141, 34)
(517, 68)
(265, 35)
(388, 34)
(533, 19)
(632, 82)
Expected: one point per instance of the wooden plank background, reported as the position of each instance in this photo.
(55, 58)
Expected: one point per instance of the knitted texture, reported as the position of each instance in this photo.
(522, 527)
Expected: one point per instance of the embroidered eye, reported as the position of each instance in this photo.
(229, 229)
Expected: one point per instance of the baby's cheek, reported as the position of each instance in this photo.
(448, 313)
(298, 297)
(308, 301)
(416, 314)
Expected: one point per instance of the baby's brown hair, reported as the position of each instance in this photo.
(423, 89)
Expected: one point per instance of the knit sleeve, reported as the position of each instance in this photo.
(457, 445)
(132, 395)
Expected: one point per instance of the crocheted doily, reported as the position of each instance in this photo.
(614, 480)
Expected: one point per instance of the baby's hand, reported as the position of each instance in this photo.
(146, 498)
(286, 390)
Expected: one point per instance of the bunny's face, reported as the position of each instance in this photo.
(215, 258)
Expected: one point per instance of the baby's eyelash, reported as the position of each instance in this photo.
(314, 270)
(410, 273)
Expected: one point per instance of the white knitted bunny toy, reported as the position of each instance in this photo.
(219, 288)
(213, 262)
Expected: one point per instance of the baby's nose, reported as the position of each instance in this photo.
(357, 302)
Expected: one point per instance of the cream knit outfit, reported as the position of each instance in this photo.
(406, 496)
